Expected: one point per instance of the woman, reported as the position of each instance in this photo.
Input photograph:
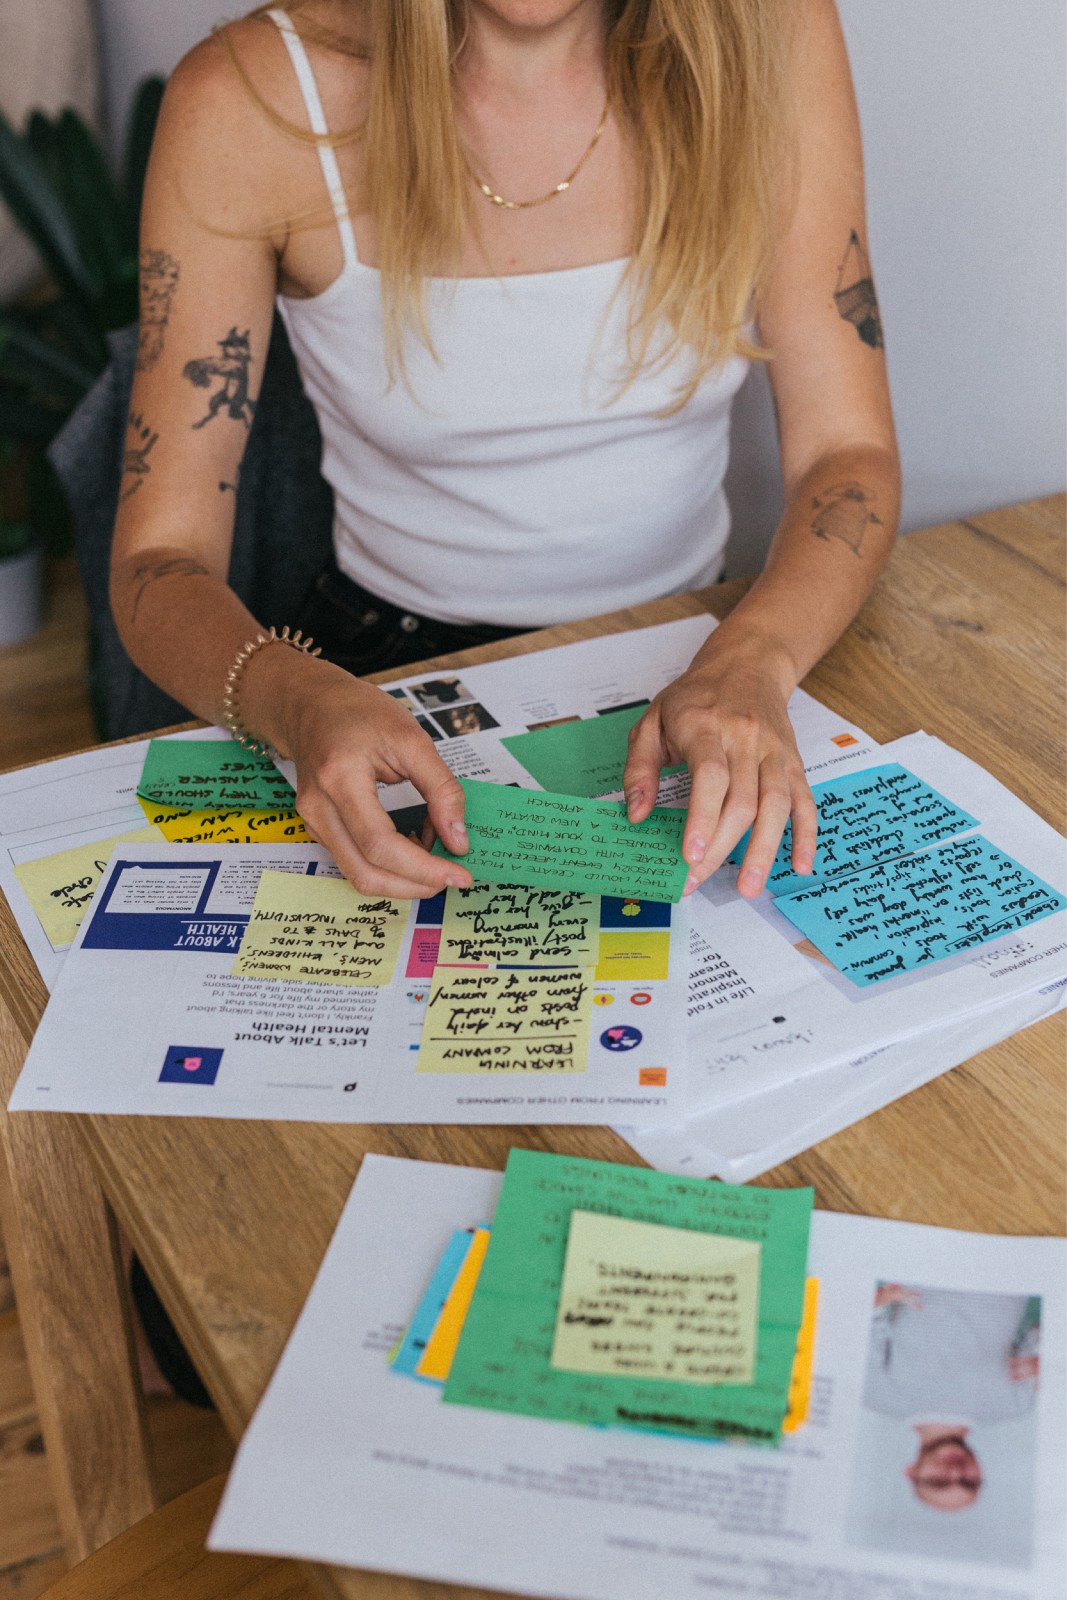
(522, 273)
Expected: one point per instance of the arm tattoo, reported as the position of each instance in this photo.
(229, 370)
(854, 296)
(159, 279)
(150, 571)
(844, 512)
(135, 463)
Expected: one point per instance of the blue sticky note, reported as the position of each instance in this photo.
(424, 1321)
(866, 817)
(896, 917)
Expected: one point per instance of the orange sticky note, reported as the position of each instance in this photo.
(800, 1380)
(436, 1360)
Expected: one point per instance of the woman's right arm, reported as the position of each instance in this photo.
(208, 280)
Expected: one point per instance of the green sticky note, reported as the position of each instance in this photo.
(585, 757)
(504, 1359)
(509, 923)
(521, 836)
(640, 1300)
(209, 774)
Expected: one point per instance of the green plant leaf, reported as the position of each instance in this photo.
(29, 421)
(39, 211)
(32, 361)
(93, 201)
(139, 134)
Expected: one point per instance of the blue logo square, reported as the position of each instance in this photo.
(190, 1064)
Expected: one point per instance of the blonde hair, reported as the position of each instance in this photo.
(700, 88)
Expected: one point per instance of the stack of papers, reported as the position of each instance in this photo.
(619, 1298)
(930, 1462)
(932, 926)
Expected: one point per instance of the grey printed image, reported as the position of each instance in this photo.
(947, 1435)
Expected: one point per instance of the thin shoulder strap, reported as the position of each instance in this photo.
(309, 88)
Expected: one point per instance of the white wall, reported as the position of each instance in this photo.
(963, 111)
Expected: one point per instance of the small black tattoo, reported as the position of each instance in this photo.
(146, 572)
(235, 485)
(854, 296)
(135, 463)
(844, 512)
(159, 279)
(230, 367)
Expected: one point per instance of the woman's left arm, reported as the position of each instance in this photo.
(726, 716)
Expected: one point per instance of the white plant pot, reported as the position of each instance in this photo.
(21, 589)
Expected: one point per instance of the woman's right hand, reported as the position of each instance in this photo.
(346, 737)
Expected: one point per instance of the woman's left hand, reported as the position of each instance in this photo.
(726, 718)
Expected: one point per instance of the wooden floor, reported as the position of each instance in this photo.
(44, 711)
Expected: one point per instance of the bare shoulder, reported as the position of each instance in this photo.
(234, 113)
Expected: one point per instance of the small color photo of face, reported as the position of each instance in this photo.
(946, 1455)
(438, 692)
(456, 721)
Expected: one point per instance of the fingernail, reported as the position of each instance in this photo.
(458, 883)
(691, 883)
(459, 834)
(750, 882)
(696, 850)
(805, 864)
(634, 798)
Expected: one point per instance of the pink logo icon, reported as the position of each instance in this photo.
(193, 1063)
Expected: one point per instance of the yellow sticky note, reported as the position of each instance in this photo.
(320, 930)
(501, 1020)
(224, 827)
(800, 1381)
(638, 957)
(494, 922)
(639, 1300)
(60, 887)
(436, 1359)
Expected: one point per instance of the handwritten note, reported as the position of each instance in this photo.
(584, 758)
(319, 930)
(503, 1361)
(549, 840)
(212, 774)
(59, 887)
(643, 1301)
(496, 922)
(866, 818)
(893, 918)
(506, 1020)
(225, 826)
(436, 1359)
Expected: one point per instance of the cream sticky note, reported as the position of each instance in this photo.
(504, 1019)
(639, 1300)
(436, 1359)
(60, 887)
(492, 922)
(803, 1361)
(320, 930)
(224, 827)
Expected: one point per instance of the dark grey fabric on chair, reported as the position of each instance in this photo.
(282, 531)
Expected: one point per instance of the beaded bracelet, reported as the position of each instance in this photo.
(231, 713)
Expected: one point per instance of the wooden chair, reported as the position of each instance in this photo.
(163, 1558)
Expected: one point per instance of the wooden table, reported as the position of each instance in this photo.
(964, 637)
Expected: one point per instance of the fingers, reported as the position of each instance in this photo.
(443, 793)
(728, 798)
(640, 778)
(372, 855)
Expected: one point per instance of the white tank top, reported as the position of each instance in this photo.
(508, 481)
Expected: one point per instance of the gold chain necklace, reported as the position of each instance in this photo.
(560, 188)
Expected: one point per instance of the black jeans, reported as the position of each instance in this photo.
(364, 634)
